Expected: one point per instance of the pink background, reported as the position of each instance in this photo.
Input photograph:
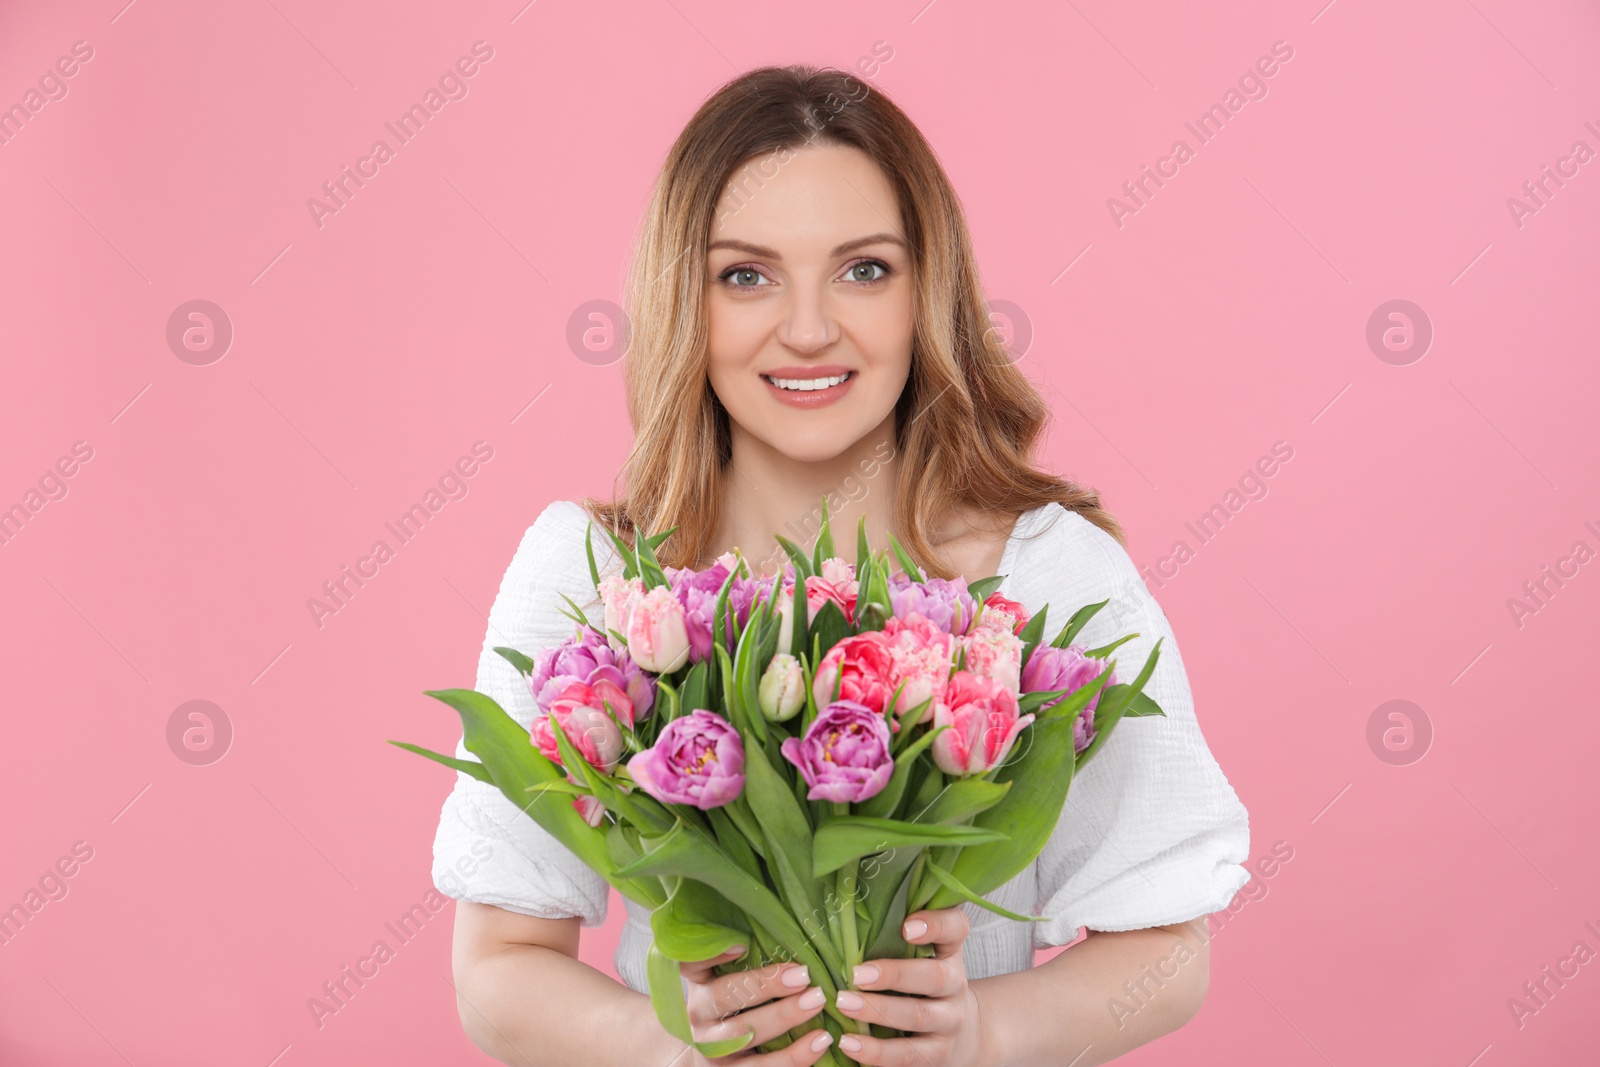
(1227, 314)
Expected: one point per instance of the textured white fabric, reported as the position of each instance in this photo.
(1151, 832)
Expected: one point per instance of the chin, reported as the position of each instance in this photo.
(816, 444)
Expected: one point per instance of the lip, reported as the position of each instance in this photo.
(814, 398)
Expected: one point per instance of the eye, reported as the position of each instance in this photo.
(738, 271)
(867, 264)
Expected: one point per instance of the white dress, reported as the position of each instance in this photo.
(1151, 832)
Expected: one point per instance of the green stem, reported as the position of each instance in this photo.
(845, 884)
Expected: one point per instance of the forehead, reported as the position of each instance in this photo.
(805, 199)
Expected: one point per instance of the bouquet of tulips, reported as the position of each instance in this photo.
(797, 773)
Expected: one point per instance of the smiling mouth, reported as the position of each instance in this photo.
(808, 385)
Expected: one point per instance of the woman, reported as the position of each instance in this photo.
(807, 323)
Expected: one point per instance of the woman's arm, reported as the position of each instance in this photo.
(526, 999)
(1109, 993)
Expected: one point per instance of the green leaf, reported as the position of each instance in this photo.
(697, 923)
(514, 764)
(887, 800)
(1105, 650)
(732, 840)
(788, 832)
(630, 558)
(1114, 701)
(588, 548)
(666, 995)
(907, 564)
(981, 589)
(824, 546)
(962, 799)
(649, 569)
(522, 663)
(842, 839)
(863, 551)
(1141, 704)
(802, 562)
(472, 767)
(829, 626)
(1077, 622)
(574, 612)
(952, 883)
(1032, 632)
(696, 691)
(801, 632)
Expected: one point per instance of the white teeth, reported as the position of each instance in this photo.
(806, 385)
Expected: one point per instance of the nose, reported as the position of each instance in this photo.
(808, 324)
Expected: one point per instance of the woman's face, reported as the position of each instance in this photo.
(808, 297)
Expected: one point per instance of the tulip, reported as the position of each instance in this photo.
(1067, 669)
(617, 594)
(946, 603)
(995, 653)
(984, 722)
(998, 611)
(844, 756)
(587, 657)
(782, 691)
(658, 636)
(697, 760)
(593, 731)
(920, 658)
(861, 667)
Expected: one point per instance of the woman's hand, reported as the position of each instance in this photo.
(943, 1010)
(769, 1000)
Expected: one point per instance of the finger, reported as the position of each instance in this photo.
(803, 1052)
(925, 978)
(767, 1021)
(719, 996)
(944, 928)
(918, 1014)
(892, 1051)
(700, 970)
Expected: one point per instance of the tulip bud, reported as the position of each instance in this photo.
(658, 635)
(783, 688)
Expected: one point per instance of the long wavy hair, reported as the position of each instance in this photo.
(967, 422)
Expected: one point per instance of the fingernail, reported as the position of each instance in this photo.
(735, 950)
(850, 1043)
(812, 998)
(866, 973)
(821, 1041)
(795, 977)
(849, 1001)
(916, 928)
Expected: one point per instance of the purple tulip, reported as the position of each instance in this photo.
(844, 756)
(697, 760)
(697, 592)
(943, 602)
(1070, 668)
(588, 658)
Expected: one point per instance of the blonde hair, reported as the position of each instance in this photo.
(967, 422)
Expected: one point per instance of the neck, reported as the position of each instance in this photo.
(765, 492)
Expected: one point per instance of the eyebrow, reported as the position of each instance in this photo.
(772, 253)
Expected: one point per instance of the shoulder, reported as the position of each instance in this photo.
(554, 550)
(1057, 556)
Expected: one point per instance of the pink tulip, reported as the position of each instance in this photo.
(861, 667)
(995, 652)
(617, 594)
(984, 722)
(920, 657)
(658, 635)
(998, 611)
(580, 711)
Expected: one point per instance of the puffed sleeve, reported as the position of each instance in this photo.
(486, 849)
(1151, 832)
